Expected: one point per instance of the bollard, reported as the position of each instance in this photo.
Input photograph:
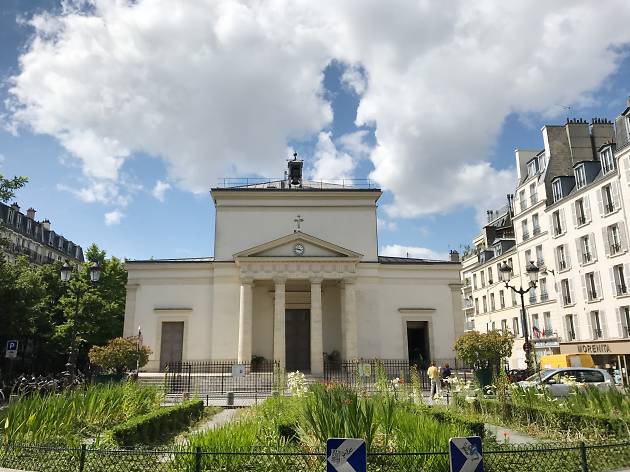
(583, 457)
(230, 399)
(197, 459)
(82, 458)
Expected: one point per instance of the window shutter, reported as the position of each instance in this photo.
(591, 239)
(603, 324)
(598, 284)
(567, 255)
(552, 230)
(563, 221)
(614, 187)
(626, 275)
(621, 131)
(555, 253)
(600, 201)
(571, 291)
(623, 236)
(574, 214)
(587, 208)
(606, 241)
(620, 332)
(627, 162)
(578, 248)
(589, 328)
(613, 280)
(584, 291)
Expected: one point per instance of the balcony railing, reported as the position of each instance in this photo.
(533, 198)
(609, 208)
(562, 264)
(557, 230)
(591, 294)
(622, 289)
(525, 236)
(532, 298)
(544, 296)
(540, 262)
(581, 220)
(597, 333)
(536, 230)
(587, 257)
(615, 248)
(470, 325)
(626, 332)
(571, 335)
(566, 300)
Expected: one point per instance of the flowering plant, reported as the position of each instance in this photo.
(296, 382)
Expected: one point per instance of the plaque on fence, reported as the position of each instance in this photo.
(346, 455)
(365, 370)
(238, 370)
(465, 454)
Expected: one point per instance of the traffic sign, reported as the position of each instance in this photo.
(346, 455)
(465, 454)
(12, 349)
(238, 370)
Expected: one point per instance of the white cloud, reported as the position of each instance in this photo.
(160, 189)
(387, 225)
(355, 144)
(113, 217)
(218, 88)
(329, 162)
(396, 250)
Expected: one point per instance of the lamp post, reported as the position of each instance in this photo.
(67, 272)
(505, 272)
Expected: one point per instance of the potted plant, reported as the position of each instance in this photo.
(485, 352)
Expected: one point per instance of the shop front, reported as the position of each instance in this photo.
(612, 355)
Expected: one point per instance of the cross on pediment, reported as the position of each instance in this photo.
(297, 221)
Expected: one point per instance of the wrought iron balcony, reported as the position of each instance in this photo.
(567, 300)
(544, 296)
(536, 230)
(615, 248)
(609, 207)
(622, 289)
(581, 220)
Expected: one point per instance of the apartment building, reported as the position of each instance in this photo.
(569, 216)
(34, 239)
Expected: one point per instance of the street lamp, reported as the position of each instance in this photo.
(67, 271)
(505, 272)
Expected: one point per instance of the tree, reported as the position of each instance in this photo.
(484, 350)
(120, 355)
(8, 188)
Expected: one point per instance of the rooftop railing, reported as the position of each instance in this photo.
(282, 183)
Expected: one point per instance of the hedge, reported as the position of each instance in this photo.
(558, 419)
(151, 427)
(471, 423)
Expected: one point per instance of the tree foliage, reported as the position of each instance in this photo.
(9, 186)
(120, 355)
(40, 311)
(483, 350)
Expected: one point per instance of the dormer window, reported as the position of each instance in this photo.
(580, 176)
(556, 188)
(607, 159)
(532, 167)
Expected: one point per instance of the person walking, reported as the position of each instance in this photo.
(446, 373)
(434, 375)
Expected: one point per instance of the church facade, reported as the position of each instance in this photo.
(295, 277)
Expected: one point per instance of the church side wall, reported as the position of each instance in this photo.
(175, 293)
(390, 296)
(331, 317)
(225, 311)
(262, 341)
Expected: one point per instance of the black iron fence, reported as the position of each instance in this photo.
(551, 458)
(220, 377)
(365, 373)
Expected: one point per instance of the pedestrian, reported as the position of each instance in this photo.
(434, 375)
(446, 373)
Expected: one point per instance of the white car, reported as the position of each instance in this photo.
(561, 381)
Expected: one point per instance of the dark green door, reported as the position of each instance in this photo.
(298, 340)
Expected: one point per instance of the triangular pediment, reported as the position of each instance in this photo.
(298, 244)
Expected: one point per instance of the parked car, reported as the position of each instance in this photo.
(560, 381)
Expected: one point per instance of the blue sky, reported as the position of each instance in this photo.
(180, 223)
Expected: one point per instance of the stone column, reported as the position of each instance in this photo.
(279, 346)
(349, 320)
(245, 320)
(317, 342)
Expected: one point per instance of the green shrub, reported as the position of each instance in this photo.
(153, 426)
(468, 422)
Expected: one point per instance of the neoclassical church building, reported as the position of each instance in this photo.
(295, 276)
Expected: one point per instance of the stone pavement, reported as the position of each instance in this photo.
(506, 435)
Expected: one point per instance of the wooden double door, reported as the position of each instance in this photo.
(298, 340)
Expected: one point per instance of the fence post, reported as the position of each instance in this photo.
(583, 457)
(82, 457)
(198, 459)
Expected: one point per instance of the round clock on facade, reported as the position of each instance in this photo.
(298, 249)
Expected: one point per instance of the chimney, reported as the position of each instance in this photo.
(15, 206)
(453, 256)
(30, 213)
(46, 225)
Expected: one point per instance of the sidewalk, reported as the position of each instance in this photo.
(506, 435)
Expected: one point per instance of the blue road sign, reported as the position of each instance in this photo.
(346, 455)
(465, 454)
(12, 348)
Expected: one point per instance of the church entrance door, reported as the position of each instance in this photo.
(172, 343)
(418, 343)
(298, 340)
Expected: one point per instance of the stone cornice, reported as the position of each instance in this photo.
(298, 269)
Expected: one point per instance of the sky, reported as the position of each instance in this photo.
(124, 114)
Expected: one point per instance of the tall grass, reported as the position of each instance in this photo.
(68, 417)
